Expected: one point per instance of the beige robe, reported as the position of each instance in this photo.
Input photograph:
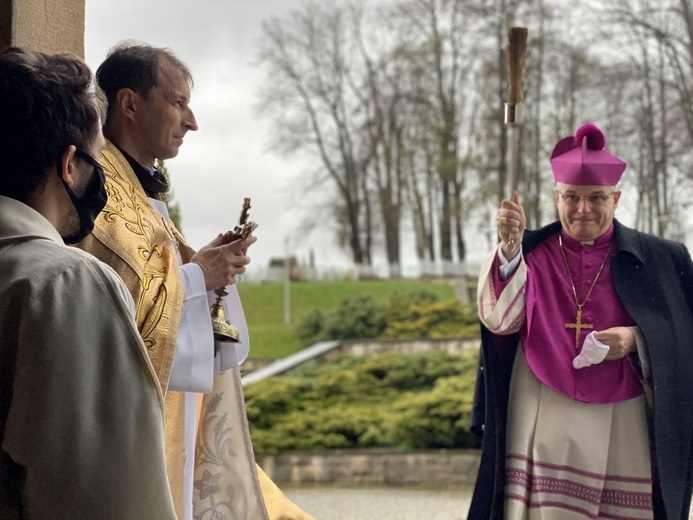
(81, 413)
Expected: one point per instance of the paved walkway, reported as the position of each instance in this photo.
(381, 503)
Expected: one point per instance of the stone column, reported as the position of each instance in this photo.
(43, 25)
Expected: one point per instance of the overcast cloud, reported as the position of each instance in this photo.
(226, 159)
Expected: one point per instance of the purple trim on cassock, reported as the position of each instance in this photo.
(549, 347)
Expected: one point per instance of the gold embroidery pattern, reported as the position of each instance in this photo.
(123, 205)
(135, 221)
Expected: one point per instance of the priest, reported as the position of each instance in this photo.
(586, 360)
(210, 459)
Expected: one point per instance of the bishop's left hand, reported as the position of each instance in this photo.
(620, 340)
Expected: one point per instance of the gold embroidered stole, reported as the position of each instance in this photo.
(140, 245)
(135, 240)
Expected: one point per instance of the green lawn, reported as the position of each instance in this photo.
(264, 307)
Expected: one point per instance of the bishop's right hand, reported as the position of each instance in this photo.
(511, 225)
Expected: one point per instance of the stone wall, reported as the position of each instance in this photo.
(373, 467)
(43, 25)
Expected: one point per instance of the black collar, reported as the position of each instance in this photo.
(628, 240)
(151, 179)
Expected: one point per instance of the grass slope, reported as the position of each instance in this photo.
(264, 307)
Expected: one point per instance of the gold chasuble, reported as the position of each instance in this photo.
(137, 242)
(142, 246)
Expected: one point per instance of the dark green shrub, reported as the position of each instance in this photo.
(265, 402)
(395, 400)
(399, 304)
(355, 318)
(435, 419)
(311, 328)
(404, 316)
(431, 319)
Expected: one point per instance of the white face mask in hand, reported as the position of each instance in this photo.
(593, 352)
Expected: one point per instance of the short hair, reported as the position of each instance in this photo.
(47, 103)
(135, 66)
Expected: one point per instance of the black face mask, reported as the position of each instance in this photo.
(90, 203)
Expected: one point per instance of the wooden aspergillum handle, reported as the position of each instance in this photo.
(516, 51)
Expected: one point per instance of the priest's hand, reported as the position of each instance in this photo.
(221, 261)
(511, 226)
(621, 341)
(229, 237)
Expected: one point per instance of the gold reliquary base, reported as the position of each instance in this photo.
(223, 330)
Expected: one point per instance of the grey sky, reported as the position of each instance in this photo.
(226, 159)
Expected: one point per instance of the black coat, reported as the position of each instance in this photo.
(654, 282)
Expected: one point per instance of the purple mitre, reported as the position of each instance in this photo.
(582, 160)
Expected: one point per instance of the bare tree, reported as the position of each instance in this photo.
(438, 34)
(657, 39)
(381, 101)
(308, 95)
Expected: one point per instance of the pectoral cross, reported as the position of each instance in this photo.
(578, 326)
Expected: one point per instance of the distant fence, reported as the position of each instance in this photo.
(354, 272)
(373, 466)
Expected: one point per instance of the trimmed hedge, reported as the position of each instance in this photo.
(405, 402)
(403, 316)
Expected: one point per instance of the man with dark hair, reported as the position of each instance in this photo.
(81, 413)
(148, 92)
